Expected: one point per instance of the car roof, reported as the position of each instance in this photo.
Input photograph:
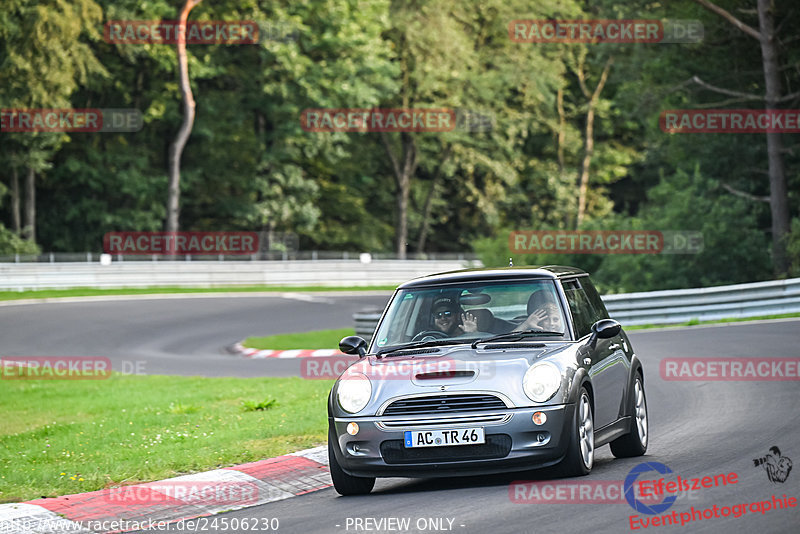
(547, 272)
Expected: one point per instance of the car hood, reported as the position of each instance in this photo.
(457, 369)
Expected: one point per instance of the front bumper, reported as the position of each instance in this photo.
(513, 443)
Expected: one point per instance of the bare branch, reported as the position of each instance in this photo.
(743, 194)
(720, 90)
(752, 32)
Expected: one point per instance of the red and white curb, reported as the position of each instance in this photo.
(154, 504)
(299, 353)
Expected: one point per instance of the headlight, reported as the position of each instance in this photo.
(541, 381)
(354, 392)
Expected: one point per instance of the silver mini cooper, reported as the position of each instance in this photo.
(484, 371)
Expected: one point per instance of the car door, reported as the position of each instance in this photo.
(607, 361)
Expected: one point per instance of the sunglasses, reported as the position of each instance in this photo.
(441, 314)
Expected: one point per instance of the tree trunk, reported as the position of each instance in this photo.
(777, 179)
(176, 148)
(402, 217)
(779, 200)
(402, 175)
(426, 211)
(561, 136)
(16, 221)
(29, 231)
(589, 139)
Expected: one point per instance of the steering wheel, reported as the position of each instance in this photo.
(432, 334)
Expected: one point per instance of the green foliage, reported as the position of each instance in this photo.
(793, 248)
(11, 243)
(258, 406)
(248, 164)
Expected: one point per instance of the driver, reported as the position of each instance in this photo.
(445, 318)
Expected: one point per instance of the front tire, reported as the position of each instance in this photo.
(580, 453)
(634, 443)
(343, 483)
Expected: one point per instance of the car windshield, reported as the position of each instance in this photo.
(471, 311)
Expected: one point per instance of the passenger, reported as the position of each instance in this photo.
(548, 318)
(445, 318)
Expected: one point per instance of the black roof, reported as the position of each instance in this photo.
(482, 274)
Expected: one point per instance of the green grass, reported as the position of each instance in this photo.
(320, 339)
(59, 437)
(695, 322)
(158, 290)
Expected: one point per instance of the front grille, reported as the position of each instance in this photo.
(443, 404)
(496, 446)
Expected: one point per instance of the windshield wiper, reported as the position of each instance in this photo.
(516, 335)
(421, 344)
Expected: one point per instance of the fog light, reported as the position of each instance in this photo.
(539, 418)
(352, 428)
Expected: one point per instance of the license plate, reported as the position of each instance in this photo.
(444, 438)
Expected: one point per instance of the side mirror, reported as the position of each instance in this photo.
(353, 345)
(606, 328)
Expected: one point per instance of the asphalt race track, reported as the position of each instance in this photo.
(696, 428)
(176, 336)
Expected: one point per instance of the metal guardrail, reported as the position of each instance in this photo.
(706, 304)
(271, 255)
(677, 306)
(328, 273)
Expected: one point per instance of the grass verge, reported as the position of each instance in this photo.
(319, 339)
(695, 322)
(163, 290)
(68, 436)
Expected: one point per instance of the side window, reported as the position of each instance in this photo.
(594, 299)
(582, 311)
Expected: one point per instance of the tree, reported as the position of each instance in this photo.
(779, 200)
(176, 148)
(41, 37)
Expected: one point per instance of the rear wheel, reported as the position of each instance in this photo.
(634, 443)
(580, 453)
(343, 483)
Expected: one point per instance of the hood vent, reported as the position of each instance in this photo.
(439, 375)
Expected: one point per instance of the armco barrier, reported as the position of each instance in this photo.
(679, 305)
(329, 273)
(706, 304)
